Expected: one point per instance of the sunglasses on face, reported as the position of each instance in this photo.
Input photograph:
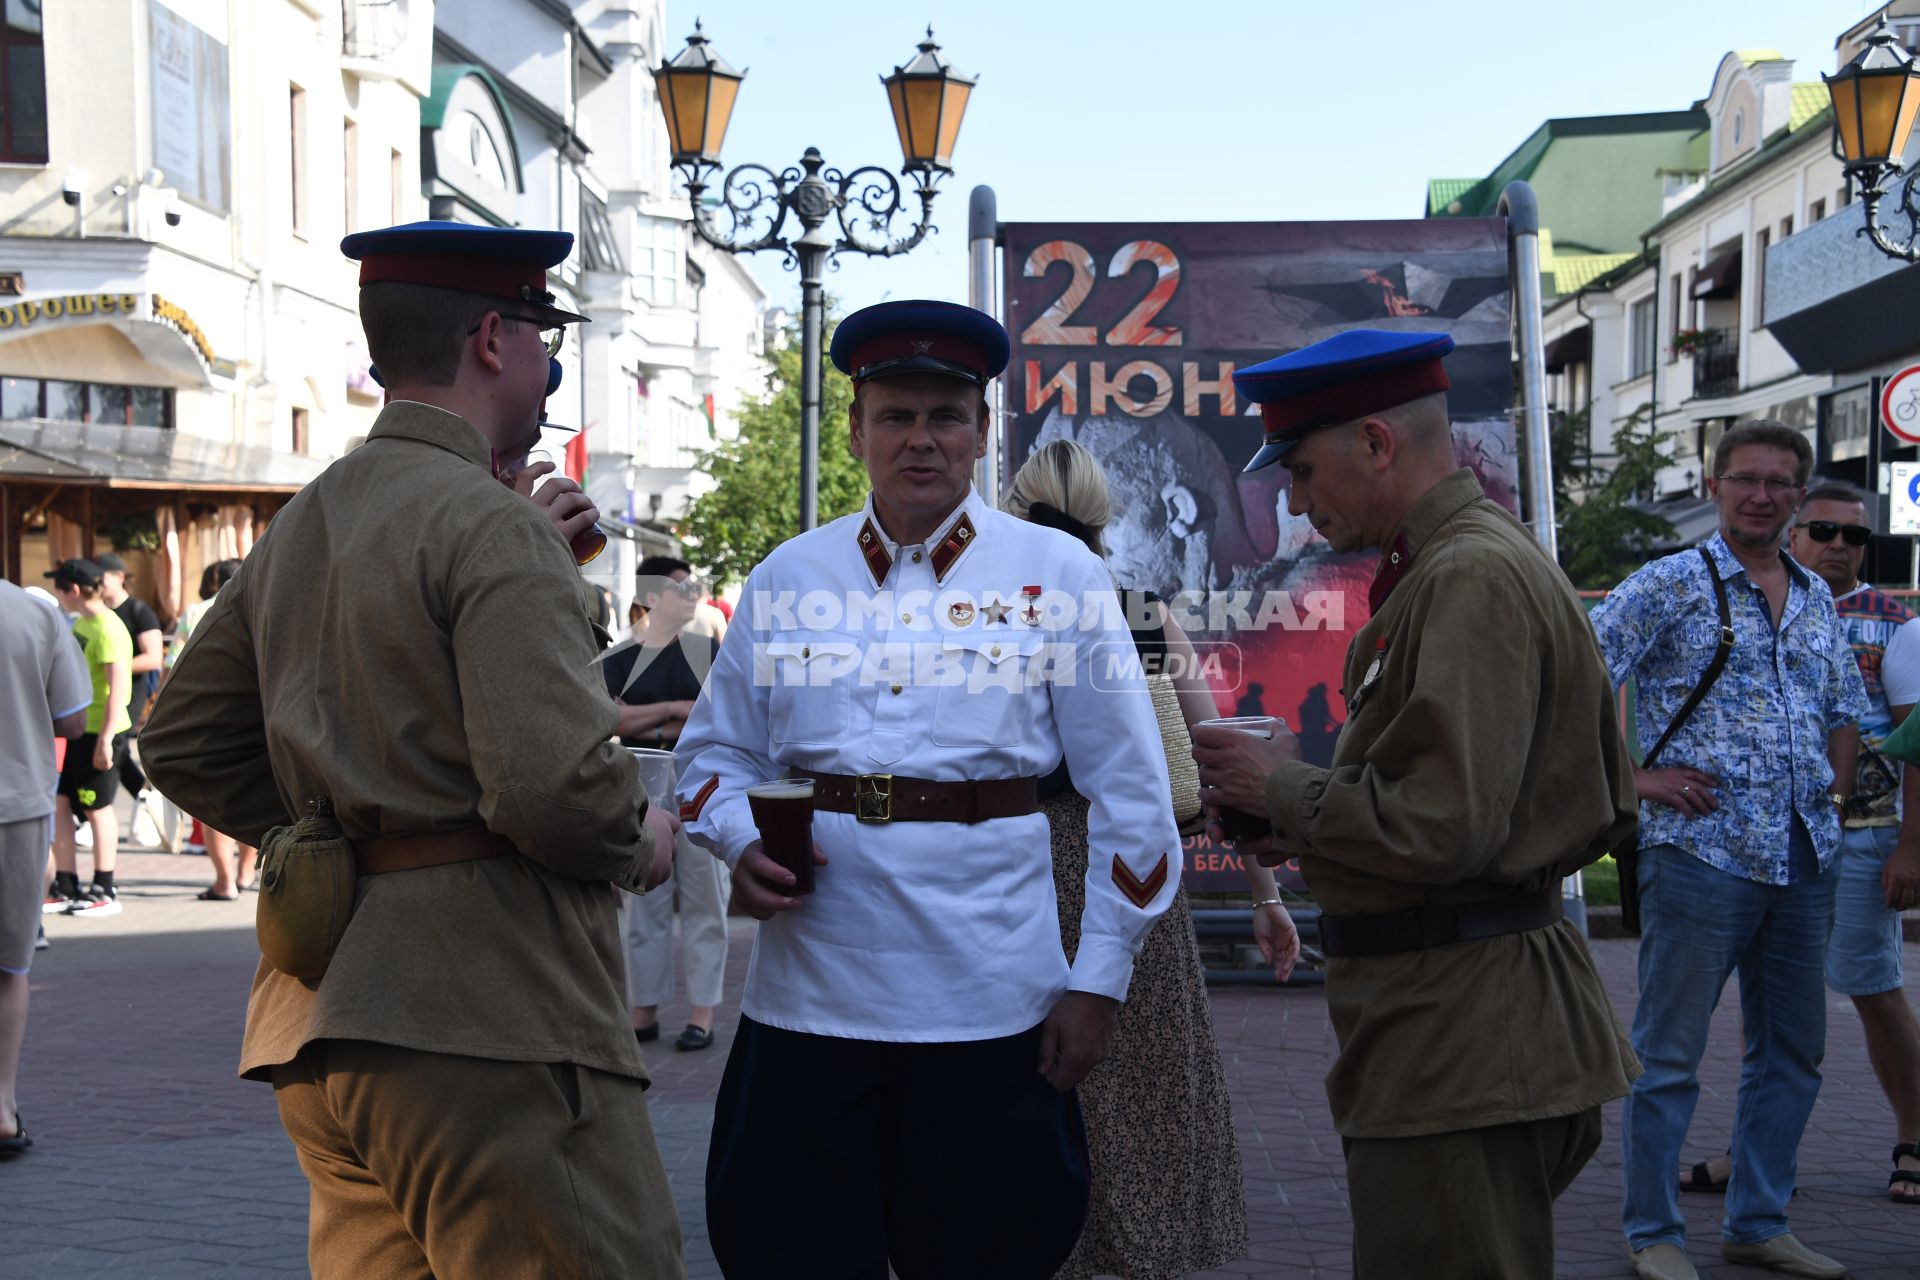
(1856, 535)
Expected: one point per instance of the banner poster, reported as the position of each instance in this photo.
(1125, 339)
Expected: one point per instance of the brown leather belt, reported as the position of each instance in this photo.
(886, 797)
(1437, 926)
(434, 849)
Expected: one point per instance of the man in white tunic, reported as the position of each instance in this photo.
(901, 1088)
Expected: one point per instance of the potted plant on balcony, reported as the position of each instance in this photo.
(1688, 341)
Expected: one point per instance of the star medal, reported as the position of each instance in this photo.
(997, 612)
(961, 612)
(1031, 614)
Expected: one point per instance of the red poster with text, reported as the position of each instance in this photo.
(1125, 339)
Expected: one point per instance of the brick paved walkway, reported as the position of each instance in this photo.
(153, 1160)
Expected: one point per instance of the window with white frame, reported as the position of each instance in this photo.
(1642, 337)
(659, 255)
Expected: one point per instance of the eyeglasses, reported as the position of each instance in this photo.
(1856, 535)
(554, 340)
(1774, 485)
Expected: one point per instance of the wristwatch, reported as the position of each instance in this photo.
(1837, 798)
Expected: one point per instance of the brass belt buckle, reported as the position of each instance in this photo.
(873, 797)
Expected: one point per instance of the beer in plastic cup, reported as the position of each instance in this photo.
(656, 775)
(1237, 823)
(784, 813)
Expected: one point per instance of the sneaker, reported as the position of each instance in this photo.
(40, 943)
(96, 900)
(55, 903)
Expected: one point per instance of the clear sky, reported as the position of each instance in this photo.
(1201, 110)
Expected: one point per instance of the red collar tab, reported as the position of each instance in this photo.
(958, 539)
(874, 551)
(1394, 564)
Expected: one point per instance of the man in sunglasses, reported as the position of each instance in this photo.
(409, 641)
(1880, 837)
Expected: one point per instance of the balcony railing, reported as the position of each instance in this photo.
(372, 28)
(1716, 364)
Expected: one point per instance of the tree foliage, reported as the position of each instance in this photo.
(1604, 535)
(755, 503)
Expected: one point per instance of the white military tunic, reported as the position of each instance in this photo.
(853, 657)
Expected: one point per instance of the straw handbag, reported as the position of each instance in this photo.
(1183, 775)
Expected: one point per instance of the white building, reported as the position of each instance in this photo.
(1679, 331)
(175, 177)
(545, 115)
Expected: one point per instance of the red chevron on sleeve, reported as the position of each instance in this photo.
(690, 809)
(1139, 892)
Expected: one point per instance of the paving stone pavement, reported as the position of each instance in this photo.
(154, 1160)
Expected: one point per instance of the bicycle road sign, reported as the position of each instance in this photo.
(1900, 404)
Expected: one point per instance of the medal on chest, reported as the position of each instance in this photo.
(997, 612)
(1031, 614)
(1371, 678)
(960, 612)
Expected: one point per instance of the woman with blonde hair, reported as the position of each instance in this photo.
(1167, 1194)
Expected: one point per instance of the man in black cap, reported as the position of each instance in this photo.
(149, 652)
(409, 640)
(899, 1091)
(89, 778)
(1481, 763)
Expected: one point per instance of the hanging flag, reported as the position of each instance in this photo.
(576, 462)
(706, 406)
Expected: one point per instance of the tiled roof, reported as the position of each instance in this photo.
(1574, 271)
(1808, 101)
(1442, 192)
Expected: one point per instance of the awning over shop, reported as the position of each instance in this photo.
(1693, 520)
(1573, 347)
(1720, 278)
(115, 457)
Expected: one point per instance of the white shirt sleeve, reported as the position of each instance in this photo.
(1900, 665)
(724, 747)
(1111, 739)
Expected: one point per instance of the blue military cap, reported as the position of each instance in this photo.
(920, 336)
(1339, 379)
(508, 263)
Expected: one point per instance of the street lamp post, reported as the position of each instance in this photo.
(697, 93)
(1875, 98)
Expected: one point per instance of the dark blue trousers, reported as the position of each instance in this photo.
(832, 1158)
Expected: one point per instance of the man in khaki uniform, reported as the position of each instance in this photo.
(1481, 762)
(408, 640)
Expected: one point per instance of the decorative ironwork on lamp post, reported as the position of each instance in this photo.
(929, 98)
(1875, 98)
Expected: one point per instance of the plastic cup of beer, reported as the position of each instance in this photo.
(784, 813)
(587, 544)
(1237, 823)
(656, 775)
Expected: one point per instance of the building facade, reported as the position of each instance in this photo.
(179, 348)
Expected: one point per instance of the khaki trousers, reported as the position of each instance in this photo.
(1471, 1205)
(427, 1165)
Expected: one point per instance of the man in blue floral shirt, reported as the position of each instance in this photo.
(1739, 823)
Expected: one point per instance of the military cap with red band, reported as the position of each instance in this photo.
(1340, 379)
(508, 263)
(890, 339)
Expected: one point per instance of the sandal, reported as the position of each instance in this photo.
(17, 1142)
(208, 895)
(1700, 1178)
(1904, 1177)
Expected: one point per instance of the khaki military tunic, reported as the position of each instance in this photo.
(408, 639)
(1482, 755)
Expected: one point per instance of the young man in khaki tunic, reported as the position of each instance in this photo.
(408, 640)
(1481, 762)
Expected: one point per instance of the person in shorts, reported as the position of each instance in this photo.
(90, 778)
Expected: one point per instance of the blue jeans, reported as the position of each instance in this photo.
(1699, 925)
